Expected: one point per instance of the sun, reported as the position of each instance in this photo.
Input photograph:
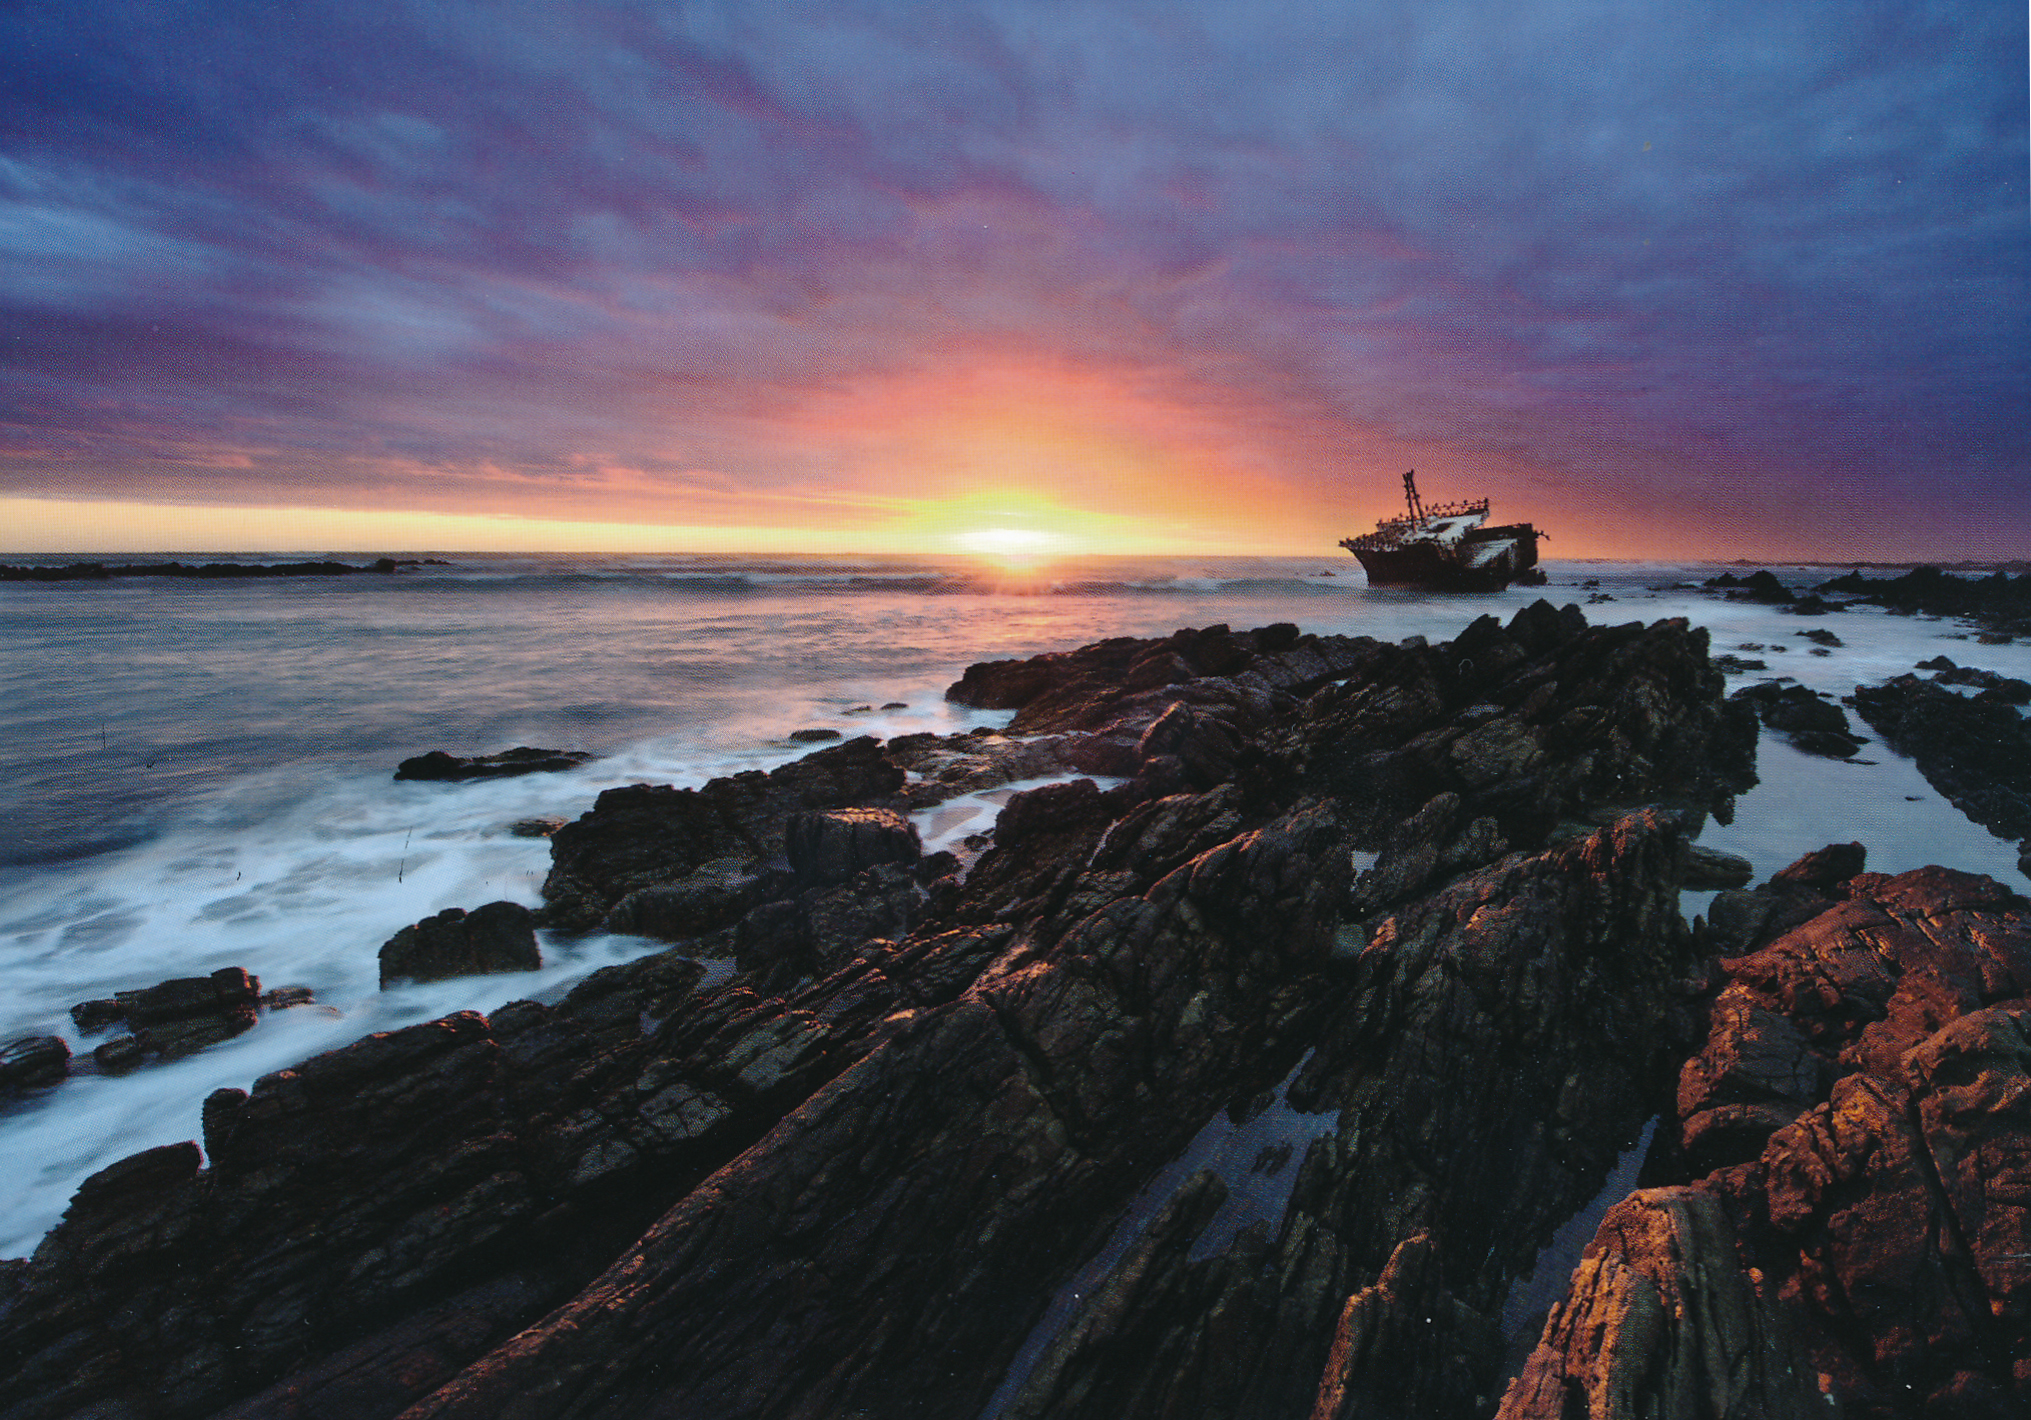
(1006, 542)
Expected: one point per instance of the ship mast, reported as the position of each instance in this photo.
(1417, 509)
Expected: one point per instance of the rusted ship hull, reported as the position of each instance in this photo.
(1447, 547)
(1484, 560)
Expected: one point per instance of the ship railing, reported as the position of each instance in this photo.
(1475, 507)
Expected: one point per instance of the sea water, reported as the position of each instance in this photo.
(198, 774)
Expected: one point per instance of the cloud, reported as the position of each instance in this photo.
(1734, 247)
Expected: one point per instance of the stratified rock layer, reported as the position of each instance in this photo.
(1857, 1129)
(1400, 919)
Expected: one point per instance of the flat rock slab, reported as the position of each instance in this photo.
(522, 759)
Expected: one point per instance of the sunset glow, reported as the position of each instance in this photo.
(819, 279)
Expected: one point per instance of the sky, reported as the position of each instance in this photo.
(1715, 279)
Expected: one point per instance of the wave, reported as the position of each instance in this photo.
(773, 578)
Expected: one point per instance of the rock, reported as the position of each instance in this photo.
(701, 903)
(173, 1018)
(728, 831)
(537, 827)
(1406, 1346)
(1853, 1146)
(836, 845)
(1125, 683)
(1759, 586)
(1662, 1319)
(814, 736)
(521, 760)
(1824, 869)
(119, 1056)
(33, 1062)
(1976, 753)
(1814, 725)
(1709, 868)
(1995, 688)
(500, 936)
(1999, 601)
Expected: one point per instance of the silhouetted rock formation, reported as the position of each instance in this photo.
(506, 764)
(1998, 600)
(206, 571)
(1759, 586)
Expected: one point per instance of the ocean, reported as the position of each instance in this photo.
(198, 774)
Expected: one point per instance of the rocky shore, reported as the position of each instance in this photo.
(1243, 1075)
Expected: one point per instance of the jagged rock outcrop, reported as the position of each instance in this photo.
(1665, 1318)
(172, 1018)
(500, 936)
(1815, 725)
(1855, 1224)
(1975, 750)
(702, 851)
(856, 1177)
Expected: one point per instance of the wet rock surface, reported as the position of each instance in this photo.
(1975, 750)
(1811, 722)
(1242, 1085)
(500, 936)
(32, 1062)
(173, 1018)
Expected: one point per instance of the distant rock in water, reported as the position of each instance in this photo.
(520, 760)
(815, 736)
(1758, 586)
(1814, 725)
(173, 1018)
(207, 571)
(1999, 600)
(498, 937)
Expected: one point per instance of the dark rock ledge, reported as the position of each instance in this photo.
(1423, 896)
